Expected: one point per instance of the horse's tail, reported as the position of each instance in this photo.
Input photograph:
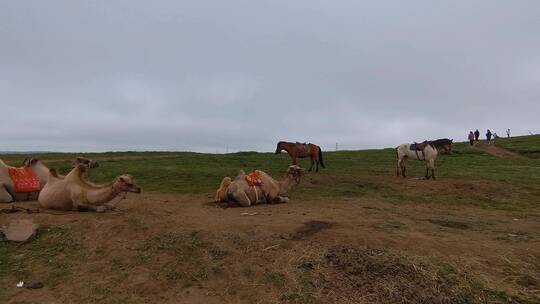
(321, 158)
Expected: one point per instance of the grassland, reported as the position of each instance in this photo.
(354, 233)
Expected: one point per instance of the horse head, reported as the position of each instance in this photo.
(445, 145)
(279, 147)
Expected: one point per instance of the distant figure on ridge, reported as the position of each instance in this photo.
(488, 135)
(508, 133)
(476, 135)
(471, 138)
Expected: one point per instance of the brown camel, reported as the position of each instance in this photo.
(259, 187)
(74, 192)
(302, 150)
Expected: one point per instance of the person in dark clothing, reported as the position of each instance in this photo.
(488, 135)
(471, 138)
(476, 135)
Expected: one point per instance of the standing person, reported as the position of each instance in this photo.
(471, 138)
(476, 135)
(488, 135)
(508, 133)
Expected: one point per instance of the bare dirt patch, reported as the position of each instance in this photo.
(494, 150)
(179, 249)
(310, 228)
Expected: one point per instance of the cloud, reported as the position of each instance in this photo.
(194, 75)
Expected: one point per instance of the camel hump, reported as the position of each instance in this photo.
(53, 172)
(225, 182)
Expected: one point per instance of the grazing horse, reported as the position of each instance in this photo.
(426, 151)
(302, 150)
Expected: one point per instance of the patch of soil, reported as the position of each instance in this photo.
(498, 151)
(171, 248)
(450, 224)
(311, 228)
(377, 276)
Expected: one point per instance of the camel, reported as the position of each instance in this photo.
(74, 192)
(259, 187)
(79, 160)
(7, 186)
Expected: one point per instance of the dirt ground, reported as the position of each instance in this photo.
(165, 248)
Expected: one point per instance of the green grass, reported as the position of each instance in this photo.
(54, 249)
(348, 173)
(525, 145)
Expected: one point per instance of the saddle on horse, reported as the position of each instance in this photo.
(305, 146)
(419, 147)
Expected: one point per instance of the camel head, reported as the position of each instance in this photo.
(124, 183)
(279, 147)
(295, 172)
(90, 163)
(30, 162)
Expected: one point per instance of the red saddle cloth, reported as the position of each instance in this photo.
(24, 179)
(254, 179)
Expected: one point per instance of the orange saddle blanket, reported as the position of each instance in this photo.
(254, 179)
(24, 179)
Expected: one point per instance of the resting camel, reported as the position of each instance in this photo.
(259, 187)
(41, 173)
(74, 192)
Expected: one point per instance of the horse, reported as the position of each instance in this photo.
(426, 151)
(302, 150)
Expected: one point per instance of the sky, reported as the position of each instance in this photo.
(241, 75)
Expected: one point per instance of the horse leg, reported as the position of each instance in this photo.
(432, 167)
(317, 165)
(404, 167)
(311, 167)
(294, 160)
(5, 197)
(427, 172)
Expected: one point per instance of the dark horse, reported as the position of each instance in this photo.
(302, 150)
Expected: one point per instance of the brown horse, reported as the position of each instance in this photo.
(302, 150)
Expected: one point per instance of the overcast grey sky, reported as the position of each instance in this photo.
(201, 75)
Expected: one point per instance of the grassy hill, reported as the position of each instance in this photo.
(348, 173)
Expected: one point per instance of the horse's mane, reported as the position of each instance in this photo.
(439, 143)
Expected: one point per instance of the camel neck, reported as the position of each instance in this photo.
(101, 195)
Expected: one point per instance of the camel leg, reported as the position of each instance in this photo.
(279, 200)
(5, 197)
(242, 199)
(283, 199)
(83, 207)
